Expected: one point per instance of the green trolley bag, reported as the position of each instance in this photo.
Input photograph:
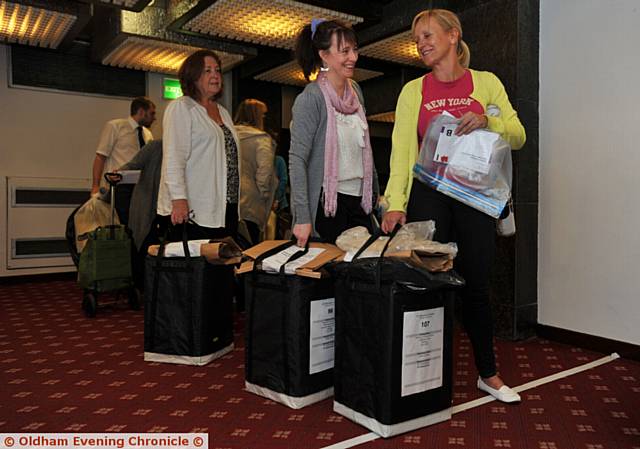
(105, 262)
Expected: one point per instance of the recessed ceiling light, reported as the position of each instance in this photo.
(158, 56)
(30, 25)
(273, 23)
(291, 74)
(399, 48)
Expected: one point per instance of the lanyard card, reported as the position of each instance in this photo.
(444, 147)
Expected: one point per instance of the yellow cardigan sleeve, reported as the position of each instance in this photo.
(491, 91)
(404, 146)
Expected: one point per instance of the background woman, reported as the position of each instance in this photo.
(258, 181)
(466, 94)
(333, 179)
(200, 154)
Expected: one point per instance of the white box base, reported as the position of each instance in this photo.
(290, 401)
(386, 430)
(186, 359)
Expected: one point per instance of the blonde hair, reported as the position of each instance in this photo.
(251, 112)
(447, 21)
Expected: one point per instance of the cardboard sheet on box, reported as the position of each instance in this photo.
(434, 262)
(312, 269)
(223, 251)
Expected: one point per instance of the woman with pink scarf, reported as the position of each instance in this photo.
(333, 180)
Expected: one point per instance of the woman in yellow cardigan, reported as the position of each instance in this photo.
(452, 87)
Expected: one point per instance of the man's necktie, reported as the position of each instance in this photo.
(140, 136)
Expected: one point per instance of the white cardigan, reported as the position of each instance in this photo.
(194, 163)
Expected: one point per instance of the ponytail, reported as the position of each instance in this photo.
(464, 54)
(308, 43)
(306, 54)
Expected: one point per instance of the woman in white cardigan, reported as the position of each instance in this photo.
(200, 178)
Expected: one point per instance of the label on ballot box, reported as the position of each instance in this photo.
(322, 335)
(422, 350)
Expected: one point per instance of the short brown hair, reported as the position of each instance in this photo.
(140, 102)
(191, 70)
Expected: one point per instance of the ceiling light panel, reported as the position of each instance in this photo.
(273, 23)
(157, 56)
(130, 4)
(127, 5)
(30, 25)
(399, 48)
(291, 74)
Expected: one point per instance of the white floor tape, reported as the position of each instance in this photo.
(354, 441)
(365, 438)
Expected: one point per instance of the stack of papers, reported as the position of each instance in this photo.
(129, 176)
(176, 249)
(272, 264)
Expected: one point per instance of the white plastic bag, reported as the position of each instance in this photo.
(506, 227)
(92, 214)
(475, 169)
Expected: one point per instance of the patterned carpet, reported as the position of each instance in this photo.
(62, 372)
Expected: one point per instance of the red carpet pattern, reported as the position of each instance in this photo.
(62, 372)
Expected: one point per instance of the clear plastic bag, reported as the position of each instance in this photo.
(475, 169)
(93, 214)
(416, 236)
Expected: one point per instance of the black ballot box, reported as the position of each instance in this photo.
(188, 313)
(394, 337)
(289, 337)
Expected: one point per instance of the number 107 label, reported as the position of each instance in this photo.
(422, 350)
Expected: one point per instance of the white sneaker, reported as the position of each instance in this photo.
(504, 394)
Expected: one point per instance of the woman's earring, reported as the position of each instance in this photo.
(324, 69)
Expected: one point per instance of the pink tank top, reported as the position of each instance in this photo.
(452, 96)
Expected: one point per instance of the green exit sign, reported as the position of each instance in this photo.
(171, 89)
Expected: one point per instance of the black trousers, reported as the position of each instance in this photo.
(349, 214)
(153, 238)
(123, 201)
(254, 231)
(474, 232)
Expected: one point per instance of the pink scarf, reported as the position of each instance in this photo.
(348, 104)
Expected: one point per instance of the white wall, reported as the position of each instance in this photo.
(589, 221)
(54, 135)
